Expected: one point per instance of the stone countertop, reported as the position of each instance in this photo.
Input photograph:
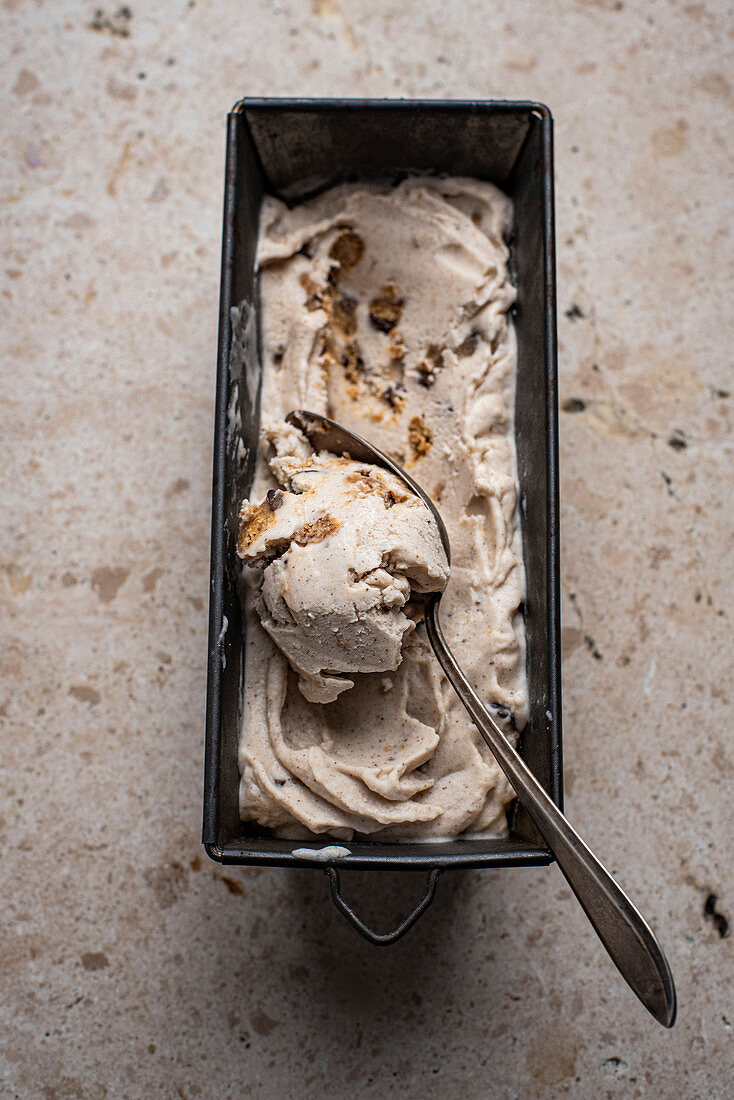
(133, 966)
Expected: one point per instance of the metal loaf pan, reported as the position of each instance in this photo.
(294, 148)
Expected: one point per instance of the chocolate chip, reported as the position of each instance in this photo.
(500, 712)
(344, 314)
(468, 346)
(314, 302)
(382, 324)
(395, 395)
(712, 913)
(352, 361)
(386, 309)
(430, 366)
(573, 405)
(434, 355)
(274, 499)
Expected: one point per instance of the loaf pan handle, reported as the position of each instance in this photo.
(382, 939)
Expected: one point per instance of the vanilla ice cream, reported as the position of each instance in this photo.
(342, 544)
(386, 308)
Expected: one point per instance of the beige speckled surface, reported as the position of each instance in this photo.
(132, 966)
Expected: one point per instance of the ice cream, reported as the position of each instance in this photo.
(388, 309)
(342, 543)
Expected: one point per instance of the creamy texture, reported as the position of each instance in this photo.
(321, 855)
(341, 546)
(387, 309)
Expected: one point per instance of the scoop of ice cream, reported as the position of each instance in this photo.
(341, 546)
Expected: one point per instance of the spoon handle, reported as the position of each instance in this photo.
(627, 937)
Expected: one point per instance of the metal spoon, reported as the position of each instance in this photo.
(627, 937)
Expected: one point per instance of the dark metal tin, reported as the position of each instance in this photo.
(293, 148)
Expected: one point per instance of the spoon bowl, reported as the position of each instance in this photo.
(327, 435)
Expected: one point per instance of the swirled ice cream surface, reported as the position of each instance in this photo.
(386, 308)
